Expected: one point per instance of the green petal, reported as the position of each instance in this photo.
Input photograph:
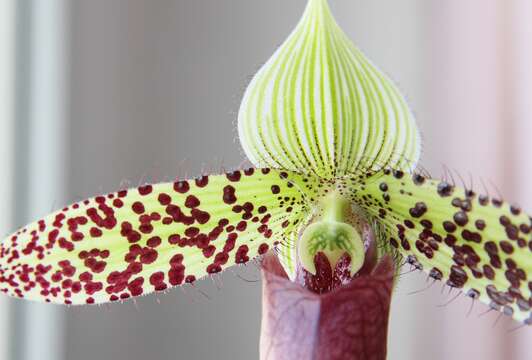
(480, 245)
(319, 104)
(151, 238)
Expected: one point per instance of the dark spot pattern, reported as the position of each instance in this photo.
(136, 241)
(480, 245)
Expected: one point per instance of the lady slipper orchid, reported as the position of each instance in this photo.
(334, 193)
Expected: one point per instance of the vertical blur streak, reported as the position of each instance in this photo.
(481, 105)
(7, 44)
(19, 178)
(468, 109)
(40, 137)
(519, 35)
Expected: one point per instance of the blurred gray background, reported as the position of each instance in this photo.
(98, 94)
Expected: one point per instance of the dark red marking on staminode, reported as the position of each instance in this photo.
(326, 278)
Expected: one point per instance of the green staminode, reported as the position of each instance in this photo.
(332, 235)
(318, 105)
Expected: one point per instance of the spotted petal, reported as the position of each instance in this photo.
(319, 104)
(480, 245)
(150, 238)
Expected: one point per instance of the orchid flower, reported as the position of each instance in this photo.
(334, 148)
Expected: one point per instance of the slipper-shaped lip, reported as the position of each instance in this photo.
(348, 322)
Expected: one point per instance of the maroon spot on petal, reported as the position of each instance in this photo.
(263, 248)
(153, 242)
(458, 277)
(418, 179)
(201, 216)
(398, 174)
(230, 242)
(445, 189)
(192, 202)
(418, 210)
(202, 241)
(209, 251)
(77, 236)
(76, 287)
(176, 260)
(145, 189)
(146, 228)
(135, 286)
(249, 171)
(148, 256)
(229, 195)
(480, 224)
(85, 277)
(176, 275)
(181, 186)
(234, 176)
(174, 239)
(93, 287)
(192, 231)
(241, 254)
(221, 258)
(137, 207)
(241, 226)
(134, 267)
(506, 247)
(214, 268)
(157, 280)
(460, 218)
(133, 236)
(95, 232)
(98, 267)
(202, 181)
(164, 199)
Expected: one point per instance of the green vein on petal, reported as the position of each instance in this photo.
(318, 105)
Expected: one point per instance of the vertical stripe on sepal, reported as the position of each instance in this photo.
(319, 104)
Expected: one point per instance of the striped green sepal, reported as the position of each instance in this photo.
(319, 104)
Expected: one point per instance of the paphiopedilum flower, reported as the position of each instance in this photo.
(334, 146)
